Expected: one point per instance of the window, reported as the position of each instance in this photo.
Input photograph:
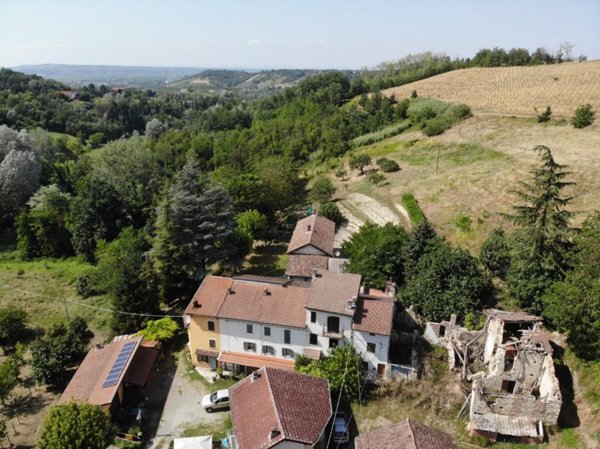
(249, 328)
(248, 346)
(268, 350)
(313, 339)
(287, 352)
(211, 326)
(333, 324)
(370, 347)
(212, 343)
(287, 336)
(313, 317)
(333, 342)
(267, 331)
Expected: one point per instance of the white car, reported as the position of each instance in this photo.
(340, 429)
(215, 401)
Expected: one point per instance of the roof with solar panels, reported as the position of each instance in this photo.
(128, 360)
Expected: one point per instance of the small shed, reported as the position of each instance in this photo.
(203, 442)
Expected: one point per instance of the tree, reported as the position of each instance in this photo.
(331, 211)
(445, 280)
(76, 426)
(161, 330)
(41, 230)
(54, 353)
(13, 324)
(422, 239)
(543, 243)
(375, 178)
(573, 304)
(495, 253)
(360, 161)
(9, 378)
(584, 116)
(253, 224)
(376, 253)
(322, 190)
(341, 174)
(343, 367)
(388, 165)
(20, 173)
(195, 227)
(124, 271)
(544, 116)
(154, 128)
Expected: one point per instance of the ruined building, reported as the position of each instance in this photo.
(515, 391)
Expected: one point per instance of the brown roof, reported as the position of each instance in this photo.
(296, 405)
(512, 317)
(374, 315)
(255, 360)
(314, 354)
(538, 338)
(209, 296)
(330, 292)
(86, 384)
(314, 230)
(141, 365)
(405, 434)
(303, 264)
(281, 305)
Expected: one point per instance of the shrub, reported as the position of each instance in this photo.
(332, 211)
(322, 190)
(584, 116)
(457, 112)
(436, 126)
(387, 165)
(376, 178)
(413, 94)
(463, 222)
(544, 116)
(413, 209)
(341, 174)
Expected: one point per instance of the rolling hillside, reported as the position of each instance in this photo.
(514, 90)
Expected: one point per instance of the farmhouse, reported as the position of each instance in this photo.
(279, 408)
(518, 393)
(405, 434)
(109, 372)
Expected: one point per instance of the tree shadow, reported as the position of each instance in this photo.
(22, 405)
(568, 416)
(266, 259)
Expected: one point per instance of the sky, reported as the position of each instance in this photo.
(252, 34)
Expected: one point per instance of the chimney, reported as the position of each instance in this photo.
(255, 376)
(308, 228)
(229, 291)
(352, 303)
(274, 433)
(99, 346)
(390, 288)
(196, 304)
(266, 292)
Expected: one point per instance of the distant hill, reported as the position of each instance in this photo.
(110, 75)
(249, 84)
(514, 90)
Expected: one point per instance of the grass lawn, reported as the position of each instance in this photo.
(268, 259)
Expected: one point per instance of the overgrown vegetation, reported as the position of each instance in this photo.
(413, 209)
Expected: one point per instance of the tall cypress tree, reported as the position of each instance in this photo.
(543, 244)
(195, 227)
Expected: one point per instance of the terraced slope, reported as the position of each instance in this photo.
(514, 90)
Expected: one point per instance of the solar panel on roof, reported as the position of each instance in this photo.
(130, 344)
(109, 383)
(119, 364)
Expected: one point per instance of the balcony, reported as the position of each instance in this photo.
(334, 332)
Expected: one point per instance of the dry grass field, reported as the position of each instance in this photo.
(515, 90)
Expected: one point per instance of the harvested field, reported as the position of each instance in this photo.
(514, 90)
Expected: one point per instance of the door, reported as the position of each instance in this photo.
(380, 370)
(333, 324)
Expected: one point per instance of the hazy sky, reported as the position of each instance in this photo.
(284, 33)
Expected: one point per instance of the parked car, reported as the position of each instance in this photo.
(217, 400)
(340, 429)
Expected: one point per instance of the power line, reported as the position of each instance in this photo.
(121, 312)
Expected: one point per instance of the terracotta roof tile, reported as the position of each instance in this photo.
(209, 296)
(303, 264)
(374, 315)
(405, 434)
(314, 230)
(330, 292)
(141, 365)
(282, 305)
(297, 405)
(256, 361)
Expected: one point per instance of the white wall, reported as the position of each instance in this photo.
(382, 348)
(233, 336)
(318, 327)
(309, 249)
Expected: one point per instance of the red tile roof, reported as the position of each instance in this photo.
(303, 264)
(86, 384)
(255, 360)
(141, 365)
(314, 230)
(296, 405)
(330, 292)
(265, 303)
(209, 296)
(374, 314)
(405, 434)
